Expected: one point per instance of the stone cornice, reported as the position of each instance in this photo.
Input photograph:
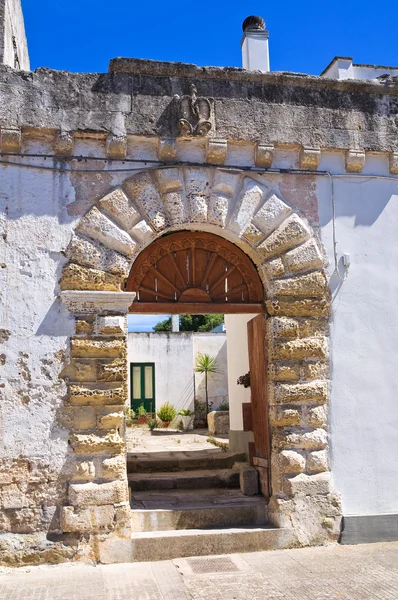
(93, 302)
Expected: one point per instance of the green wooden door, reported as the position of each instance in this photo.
(142, 377)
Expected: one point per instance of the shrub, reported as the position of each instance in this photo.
(130, 416)
(185, 412)
(224, 405)
(152, 424)
(141, 411)
(167, 412)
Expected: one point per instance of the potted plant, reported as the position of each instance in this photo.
(142, 414)
(130, 417)
(186, 418)
(166, 413)
(152, 424)
(244, 380)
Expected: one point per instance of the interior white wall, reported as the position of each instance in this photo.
(214, 344)
(364, 333)
(238, 364)
(174, 357)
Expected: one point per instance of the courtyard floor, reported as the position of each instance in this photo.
(139, 439)
(330, 573)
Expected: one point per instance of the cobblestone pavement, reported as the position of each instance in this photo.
(332, 573)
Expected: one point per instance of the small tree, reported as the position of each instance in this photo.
(206, 364)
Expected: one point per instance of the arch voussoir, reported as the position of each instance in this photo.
(249, 212)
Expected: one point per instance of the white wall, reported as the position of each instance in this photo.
(343, 68)
(174, 357)
(364, 336)
(214, 344)
(13, 27)
(238, 364)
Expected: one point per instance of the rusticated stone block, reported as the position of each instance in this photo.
(98, 348)
(112, 468)
(274, 268)
(98, 227)
(81, 370)
(97, 494)
(290, 233)
(79, 417)
(14, 470)
(312, 285)
(305, 257)
(95, 255)
(314, 370)
(88, 520)
(76, 277)
(250, 197)
(282, 327)
(287, 417)
(271, 214)
(111, 325)
(310, 328)
(110, 444)
(143, 191)
(116, 147)
(24, 520)
(314, 391)
(291, 461)
(300, 349)
(252, 234)
(284, 372)
(317, 416)
(264, 155)
(84, 326)
(123, 516)
(112, 371)
(86, 395)
(112, 420)
(84, 470)
(121, 209)
(317, 462)
(306, 307)
(308, 485)
(311, 440)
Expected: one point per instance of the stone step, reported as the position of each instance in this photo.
(167, 545)
(195, 479)
(175, 461)
(188, 509)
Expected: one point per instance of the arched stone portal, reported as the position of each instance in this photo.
(108, 240)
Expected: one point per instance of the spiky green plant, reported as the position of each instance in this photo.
(206, 364)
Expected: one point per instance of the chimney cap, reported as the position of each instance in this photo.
(253, 23)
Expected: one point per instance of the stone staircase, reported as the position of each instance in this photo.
(190, 504)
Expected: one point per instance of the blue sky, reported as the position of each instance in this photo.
(82, 35)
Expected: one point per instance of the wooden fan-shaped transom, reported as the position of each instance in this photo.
(192, 271)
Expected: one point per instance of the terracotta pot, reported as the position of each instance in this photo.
(142, 420)
(165, 424)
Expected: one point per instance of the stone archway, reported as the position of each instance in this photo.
(289, 260)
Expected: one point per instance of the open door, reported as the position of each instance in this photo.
(260, 448)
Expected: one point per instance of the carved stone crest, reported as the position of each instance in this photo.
(195, 114)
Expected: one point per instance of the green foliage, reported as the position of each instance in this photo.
(142, 412)
(194, 323)
(152, 424)
(185, 412)
(167, 412)
(130, 416)
(224, 405)
(206, 363)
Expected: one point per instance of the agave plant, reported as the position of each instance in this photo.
(206, 364)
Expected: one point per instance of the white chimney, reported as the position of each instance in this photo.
(255, 53)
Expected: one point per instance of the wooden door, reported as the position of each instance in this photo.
(142, 377)
(259, 400)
